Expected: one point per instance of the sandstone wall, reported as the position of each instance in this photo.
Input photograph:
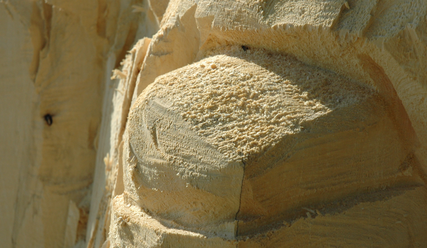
(372, 139)
(67, 129)
(55, 66)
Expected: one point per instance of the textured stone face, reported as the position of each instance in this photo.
(255, 123)
(244, 142)
(177, 175)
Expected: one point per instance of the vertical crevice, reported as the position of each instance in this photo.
(240, 200)
(129, 42)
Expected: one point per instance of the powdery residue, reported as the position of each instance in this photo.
(243, 102)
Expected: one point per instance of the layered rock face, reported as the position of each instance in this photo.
(238, 124)
(55, 68)
(235, 149)
(290, 127)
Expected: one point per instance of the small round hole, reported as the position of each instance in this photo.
(48, 119)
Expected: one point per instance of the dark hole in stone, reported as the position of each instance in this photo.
(48, 119)
(245, 48)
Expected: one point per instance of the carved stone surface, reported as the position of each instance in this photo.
(289, 128)
(257, 123)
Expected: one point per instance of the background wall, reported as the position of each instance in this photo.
(60, 133)
(55, 68)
